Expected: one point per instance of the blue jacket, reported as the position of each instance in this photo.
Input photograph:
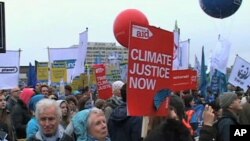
(122, 127)
(32, 127)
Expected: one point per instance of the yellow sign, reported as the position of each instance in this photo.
(42, 71)
(59, 72)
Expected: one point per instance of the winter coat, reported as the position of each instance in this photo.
(223, 125)
(170, 130)
(122, 127)
(20, 116)
(32, 127)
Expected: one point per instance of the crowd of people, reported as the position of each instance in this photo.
(40, 114)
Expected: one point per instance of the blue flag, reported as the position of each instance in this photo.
(203, 77)
(31, 76)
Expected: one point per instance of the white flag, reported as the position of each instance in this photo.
(220, 55)
(240, 75)
(68, 55)
(81, 54)
(176, 48)
(183, 55)
(9, 69)
(197, 65)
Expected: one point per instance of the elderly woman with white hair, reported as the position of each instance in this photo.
(90, 125)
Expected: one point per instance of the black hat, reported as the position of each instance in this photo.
(178, 104)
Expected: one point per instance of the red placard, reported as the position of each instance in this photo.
(184, 80)
(103, 86)
(149, 69)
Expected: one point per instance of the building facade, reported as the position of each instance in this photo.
(105, 52)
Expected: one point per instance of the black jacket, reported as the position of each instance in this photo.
(122, 127)
(223, 125)
(207, 133)
(20, 116)
(170, 130)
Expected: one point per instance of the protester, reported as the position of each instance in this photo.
(33, 125)
(230, 104)
(172, 129)
(68, 90)
(15, 92)
(65, 112)
(121, 126)
(244, 115)
(115, 100)
(44, 89)
(20, 114)
(72, 104)
(6, 128)
(48, 114)
(90, 125)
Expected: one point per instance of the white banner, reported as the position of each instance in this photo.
(9, 69)
(81, 55)
(220, 55)
(68, 55)
(240, 74)
(183, 55)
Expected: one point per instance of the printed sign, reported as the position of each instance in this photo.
(149, 69)
(103, 86)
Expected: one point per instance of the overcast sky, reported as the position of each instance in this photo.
(34, 25)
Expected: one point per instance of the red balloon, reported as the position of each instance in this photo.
(122, 22)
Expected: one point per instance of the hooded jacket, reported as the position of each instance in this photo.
(122, 127)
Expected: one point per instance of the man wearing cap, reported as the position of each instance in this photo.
(230, 104)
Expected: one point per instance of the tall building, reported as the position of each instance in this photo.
(105, 52)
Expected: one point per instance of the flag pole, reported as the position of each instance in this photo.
(188, 51)
(49, 68)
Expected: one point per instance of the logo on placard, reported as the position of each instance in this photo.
(11, 69)
(243, 72)
(99, 70)
(141, 32)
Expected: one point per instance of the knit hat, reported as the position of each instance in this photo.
(226, 99)
(34, 100)
(176, 102)
(26, 95)
(116, 87)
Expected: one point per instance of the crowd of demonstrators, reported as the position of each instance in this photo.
(76, 114)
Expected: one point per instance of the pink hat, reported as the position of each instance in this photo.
(26, 95)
